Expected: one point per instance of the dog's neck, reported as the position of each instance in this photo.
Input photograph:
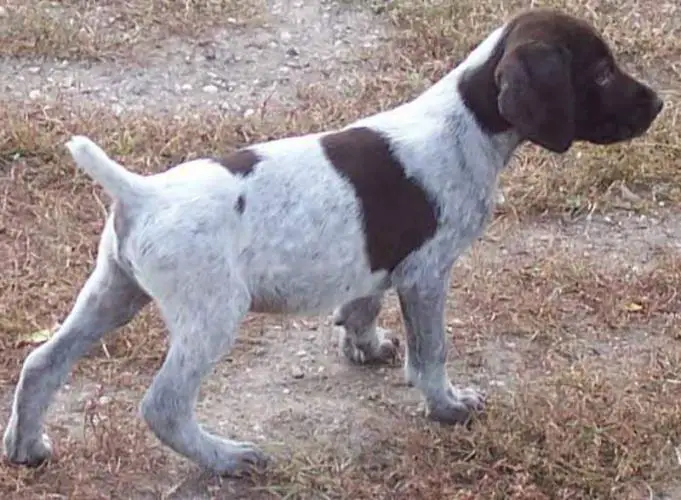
(471, 86)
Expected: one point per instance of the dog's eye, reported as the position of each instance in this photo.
(604, 74)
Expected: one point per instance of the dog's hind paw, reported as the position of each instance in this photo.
(384, 349)
(31, 452)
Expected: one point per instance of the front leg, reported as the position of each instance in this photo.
(422, 307)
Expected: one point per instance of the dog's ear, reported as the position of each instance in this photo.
(536, 94)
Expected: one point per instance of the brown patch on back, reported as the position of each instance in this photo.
(240, 162)
(398, 216)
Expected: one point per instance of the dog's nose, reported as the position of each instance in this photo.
(658, 104)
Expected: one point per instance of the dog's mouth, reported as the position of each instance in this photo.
(612, 132)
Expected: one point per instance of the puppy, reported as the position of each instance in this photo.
(328, 221)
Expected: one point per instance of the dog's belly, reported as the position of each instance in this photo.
(285, 284)
(291, 266)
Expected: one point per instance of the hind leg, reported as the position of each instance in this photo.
(202, 312)
(362, 341)
(108, 300)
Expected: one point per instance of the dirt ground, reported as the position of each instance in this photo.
(566, 312)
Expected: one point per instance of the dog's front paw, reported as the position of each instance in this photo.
(383, 349)
(456, 406)
(241, 458)
(31, 452)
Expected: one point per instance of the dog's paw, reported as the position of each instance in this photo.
(457, 406)
(241, 459)
(31, 452)
(383, 350)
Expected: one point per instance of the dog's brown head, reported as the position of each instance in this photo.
(553, 79)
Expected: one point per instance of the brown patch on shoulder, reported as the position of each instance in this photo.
(240, 162)
(398, 216)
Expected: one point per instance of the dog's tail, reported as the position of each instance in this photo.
(118, 182)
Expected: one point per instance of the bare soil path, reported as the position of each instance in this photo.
(238, 68)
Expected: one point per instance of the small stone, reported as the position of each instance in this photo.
(285, 36)
(628, 194)
(231, 20)
(210, 89)
(286, 390)
(34, 94)
(249, 112)
(297, 372)
(34, 69)
(187, 86)
(104, 400)
(292, 52)
(301, 353)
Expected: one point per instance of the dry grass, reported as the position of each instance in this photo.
(595, 410)
(610, 441)
(540, 294)
(592, 407)
(93, 30)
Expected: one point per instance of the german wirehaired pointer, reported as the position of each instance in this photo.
(326, 221)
